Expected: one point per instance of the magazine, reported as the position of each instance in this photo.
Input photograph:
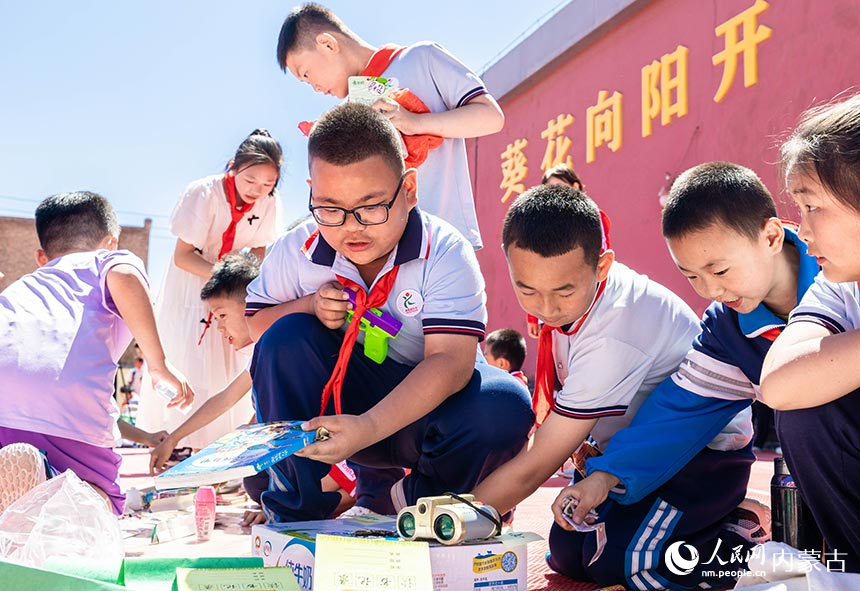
(246, 451)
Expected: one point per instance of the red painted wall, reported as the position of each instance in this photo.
(812, 55)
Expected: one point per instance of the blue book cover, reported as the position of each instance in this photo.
(246, 451)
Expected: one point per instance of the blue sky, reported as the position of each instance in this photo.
(136, 99)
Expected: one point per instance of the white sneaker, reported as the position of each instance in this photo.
(357, 511)
(22, 467)
(567, 469)
(750, 520)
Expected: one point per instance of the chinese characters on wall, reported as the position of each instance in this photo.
(663, 98)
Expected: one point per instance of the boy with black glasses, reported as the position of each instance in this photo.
(424, 406)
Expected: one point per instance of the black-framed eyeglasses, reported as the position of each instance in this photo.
(366, 215)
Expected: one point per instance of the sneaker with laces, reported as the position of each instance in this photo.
(22, 467)
(751, 521)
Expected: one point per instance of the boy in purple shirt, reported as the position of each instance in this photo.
(62, 331)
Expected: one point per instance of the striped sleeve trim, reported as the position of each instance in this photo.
(590, 413)
(701, 374)
(816, 318)
(452, 326)
(252, 308)
(471, 95)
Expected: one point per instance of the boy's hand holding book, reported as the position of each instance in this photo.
(346, 435)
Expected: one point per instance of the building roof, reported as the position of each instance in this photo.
(575, 25)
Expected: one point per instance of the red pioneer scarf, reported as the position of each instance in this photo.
(237, 212)
(363, 302)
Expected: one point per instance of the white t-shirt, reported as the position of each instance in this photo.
(635, 336)
(200, 218)
(835, 306)
(442, 83)
(439, 287)
(60, 339)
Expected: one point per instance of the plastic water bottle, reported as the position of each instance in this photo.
(204, 512)
(793, 523)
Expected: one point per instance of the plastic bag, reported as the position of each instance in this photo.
(61, 517)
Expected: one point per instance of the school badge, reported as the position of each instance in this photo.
(409, 302)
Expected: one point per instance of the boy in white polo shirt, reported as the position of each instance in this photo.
(440, 102)
(425, 406)
(63, 328)
(609, 336)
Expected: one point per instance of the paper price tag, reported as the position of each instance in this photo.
(345, 564)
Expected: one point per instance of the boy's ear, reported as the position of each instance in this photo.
(41, 258)
(604, 263)
(109, 243)
(774, 234)
(327, 42)
(503, 363)
(410, 187)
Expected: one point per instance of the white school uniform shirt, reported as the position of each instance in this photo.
(439, 288)
(442, 83)
(835, 306)
(200, 218)
(636, 335)
(61, 336)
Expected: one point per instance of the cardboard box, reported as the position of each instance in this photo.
(499, 564)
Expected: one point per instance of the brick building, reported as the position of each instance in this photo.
(18, 244)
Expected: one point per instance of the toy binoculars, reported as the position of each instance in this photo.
(449, 519)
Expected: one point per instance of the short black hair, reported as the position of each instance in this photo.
(826, 145)
(722, 193)
(231, 276)
(351, 133)
(552, 220)
(302, 25)
(564, 173)
(74, 222)
(507, 343)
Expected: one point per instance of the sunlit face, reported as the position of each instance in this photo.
(255, 182)
(558, 290)
(369, 182)
(726, 266)
(830, 228)
(323, 67)
(229, 315)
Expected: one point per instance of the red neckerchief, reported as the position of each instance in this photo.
(237, 212)
(543, 398)
(363, 302)
(229, 235)
(381, 59)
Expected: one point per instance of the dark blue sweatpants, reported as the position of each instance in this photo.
(452, 448)
(689, 508)
(822, 448)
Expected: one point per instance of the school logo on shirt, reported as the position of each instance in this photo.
(409, 302)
